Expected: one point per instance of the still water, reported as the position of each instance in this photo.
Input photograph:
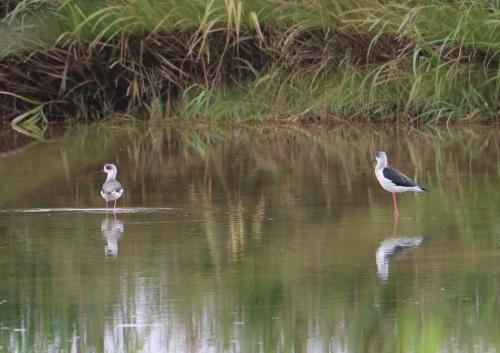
(250, 240)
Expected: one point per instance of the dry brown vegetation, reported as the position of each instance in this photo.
(65, 78)
(433, 61)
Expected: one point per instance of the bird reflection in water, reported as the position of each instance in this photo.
(391, 249)
(112, 230)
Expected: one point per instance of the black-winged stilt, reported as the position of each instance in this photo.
(393, 180)
(111, 190)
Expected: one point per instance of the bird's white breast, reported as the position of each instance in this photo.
(114, 195)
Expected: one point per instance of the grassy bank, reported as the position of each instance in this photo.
(435, 61)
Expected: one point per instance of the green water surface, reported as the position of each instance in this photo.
(250, 240)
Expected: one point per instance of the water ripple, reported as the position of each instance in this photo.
(89, 210)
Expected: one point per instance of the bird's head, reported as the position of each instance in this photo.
(109, 168)
(381, 157)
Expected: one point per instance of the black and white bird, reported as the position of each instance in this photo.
(111, 190)
(393, 180)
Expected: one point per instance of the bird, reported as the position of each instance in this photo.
(111, 190)
(393, 180)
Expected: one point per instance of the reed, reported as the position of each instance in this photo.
(252, 60)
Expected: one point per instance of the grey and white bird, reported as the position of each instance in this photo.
(111, 190)
(393, 180)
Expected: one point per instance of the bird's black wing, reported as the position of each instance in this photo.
(398, 178)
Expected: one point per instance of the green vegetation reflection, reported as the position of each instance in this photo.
(270, 245)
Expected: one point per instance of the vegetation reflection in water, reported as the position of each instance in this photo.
(268, 242)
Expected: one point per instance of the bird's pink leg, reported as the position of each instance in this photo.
(114, 207)
(107, 208)
(396, 211)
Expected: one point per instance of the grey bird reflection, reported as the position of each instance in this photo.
(112, 230)
(391, 249)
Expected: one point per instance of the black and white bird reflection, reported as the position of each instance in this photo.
(391, 249)
(112, 230)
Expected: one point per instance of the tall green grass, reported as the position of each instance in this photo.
(467, 24)
(435, 61)
(387, 92)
